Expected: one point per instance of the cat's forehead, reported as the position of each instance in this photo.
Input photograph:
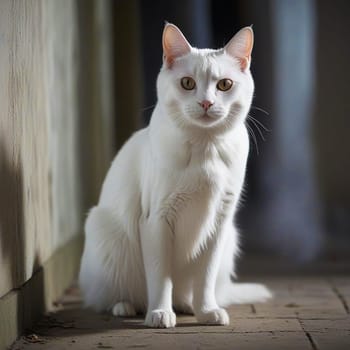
(206, 62)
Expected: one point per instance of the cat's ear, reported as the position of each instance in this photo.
(174, 44)
(240, 47)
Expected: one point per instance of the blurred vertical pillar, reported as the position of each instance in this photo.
(289, 217)
(96, 94)
(128, 74)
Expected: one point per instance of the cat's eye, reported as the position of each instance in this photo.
(224, 84)
(188, 83)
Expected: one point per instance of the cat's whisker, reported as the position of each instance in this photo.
(252, 134)
(260, 109)
(147, 108)
(259, 122)
(257, 127)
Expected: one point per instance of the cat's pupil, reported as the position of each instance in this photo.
(224, 84)
(188, 83)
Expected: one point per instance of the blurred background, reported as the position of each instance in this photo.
(77, 78)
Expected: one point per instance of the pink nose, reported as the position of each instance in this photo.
(205, 104)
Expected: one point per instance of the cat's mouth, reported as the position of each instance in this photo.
(208, 119)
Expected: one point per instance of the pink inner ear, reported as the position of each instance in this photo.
(240, 47)
(174, 44)
(244, 63)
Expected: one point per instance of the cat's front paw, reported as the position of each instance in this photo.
(160, 319)
(217, 316)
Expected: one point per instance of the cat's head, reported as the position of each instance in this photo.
(206, 88)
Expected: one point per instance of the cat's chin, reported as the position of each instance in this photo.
(206, 120)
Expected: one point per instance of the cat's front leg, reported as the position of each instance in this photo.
(156, 241)
(205, 305)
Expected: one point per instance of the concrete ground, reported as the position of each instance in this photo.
(308, 312)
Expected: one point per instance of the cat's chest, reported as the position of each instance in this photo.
(201, 197)
(197, 192)
(196, 181)
(208, 169)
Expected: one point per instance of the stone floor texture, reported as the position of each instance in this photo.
(307, 312)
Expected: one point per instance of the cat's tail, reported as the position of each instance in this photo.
(111, 266)
(96, 278)
(243, 293)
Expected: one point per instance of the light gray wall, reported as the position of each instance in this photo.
(44, 126)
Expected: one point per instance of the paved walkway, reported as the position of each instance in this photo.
(306, 313)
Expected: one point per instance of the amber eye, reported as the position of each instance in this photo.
(224, 84)
(188, 83)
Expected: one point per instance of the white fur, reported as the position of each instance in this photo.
(162, 234)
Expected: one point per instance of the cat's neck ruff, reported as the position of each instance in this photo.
(178, 148)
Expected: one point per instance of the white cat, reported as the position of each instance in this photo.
(162, 234)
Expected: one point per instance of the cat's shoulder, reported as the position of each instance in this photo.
(133, 149)
(135, 141)
(139, 135)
